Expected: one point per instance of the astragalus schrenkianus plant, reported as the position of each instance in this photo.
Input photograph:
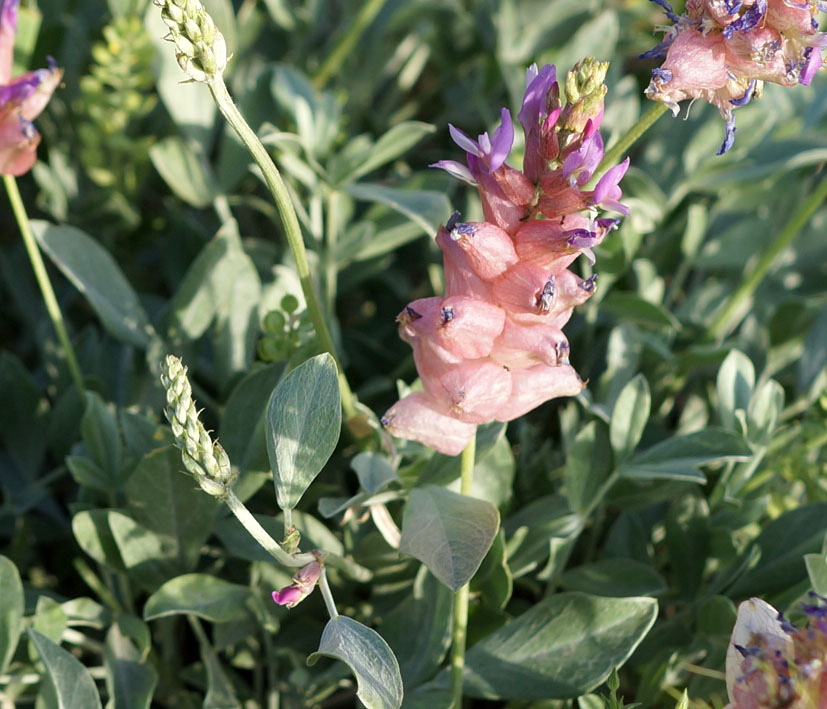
(604, 421)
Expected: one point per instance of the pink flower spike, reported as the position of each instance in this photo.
(535, 385)
(8, 33)
(418, 417)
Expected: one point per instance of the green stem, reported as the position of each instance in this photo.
(460, 621)
(324, 587)
(645, 122)
(291, 226)
(366, 15)
(42, 277)
(724, 322)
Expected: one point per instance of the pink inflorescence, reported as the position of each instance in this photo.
(492, 347)
(771, 663)
(723, 50)
(21, 99)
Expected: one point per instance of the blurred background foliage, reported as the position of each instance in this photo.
(725, 497)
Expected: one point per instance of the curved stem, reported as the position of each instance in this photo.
(291, 226)
(324, 587)
(346, 44)
(722, 325)
(42, 277)
(645, 122)
(460, 608)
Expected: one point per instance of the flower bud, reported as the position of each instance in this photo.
(304, 581)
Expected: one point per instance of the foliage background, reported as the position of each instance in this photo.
(729, 503)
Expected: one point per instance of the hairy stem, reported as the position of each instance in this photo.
(42, 277)
(725, 322)
(287, 212)
(460, 614)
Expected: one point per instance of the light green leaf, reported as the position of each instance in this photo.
(11, 610)
(428, 209)
(393, 144)
(448, 532)
(148, 557)
(130, 678)
(677, 458)
(92, 532)
(98, 277)
(561, 648)
(629, 417)
(304, 419)
(73, 685)
(631, 308)
(736, 380)
(817, 572)
(587, 465)
(369, 658)
(185, 171)
(614, 577)
(208, 597)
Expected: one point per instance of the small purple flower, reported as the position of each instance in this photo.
(607, 190)
(535, 117)
(580, 164)
(304, 581)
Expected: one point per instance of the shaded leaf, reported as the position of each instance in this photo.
(73, 685)
(11, 611)
(208, 597)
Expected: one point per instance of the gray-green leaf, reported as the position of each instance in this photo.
(208, 597)
(629, 417)
(304, 419)
(369, 658)
(72, 683)
(448, 532)
(11, 610)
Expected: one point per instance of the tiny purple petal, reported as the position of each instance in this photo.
(730, 135)
(20, 89)
(501, 142)
(8, 14)
(659, 51)
(748, 21)
(745, 99)
(288, 596)
(463, 141)
(616, 206)
(610, 180)
(813, 64)
(538, 84)
(455, 169)
(670, 13)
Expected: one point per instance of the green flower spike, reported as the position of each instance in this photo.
(204, 458)
(199, 46)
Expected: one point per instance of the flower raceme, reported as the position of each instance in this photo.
(492, 347)
(771, 663)
(21, 99)
(723, 50)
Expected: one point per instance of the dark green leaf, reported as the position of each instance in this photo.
(614, 577)
(99, 429)
(130, 678)
(11, 611)
(629, 417)
(427, 209)
(587, 465)
(206, 596)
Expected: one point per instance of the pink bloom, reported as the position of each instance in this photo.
(21, 100)
(722, 50)
(304, 581)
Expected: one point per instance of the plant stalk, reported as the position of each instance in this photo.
(724, 321)
(324, 587)
(42, 277)
(460, 609)
(292, 230)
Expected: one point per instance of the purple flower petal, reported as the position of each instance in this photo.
(610, 180)
(745, 99)
(811, 67)
(501, 142)
(537, 86)
(463, 141)
(8, 15)
(670, 13)
(455, 169)
(730, 135)
(288, 596)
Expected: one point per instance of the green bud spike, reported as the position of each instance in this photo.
(199, 47)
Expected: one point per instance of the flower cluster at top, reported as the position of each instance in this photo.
(723, 50)
(21, 99)
(771, 663)
(492, 347)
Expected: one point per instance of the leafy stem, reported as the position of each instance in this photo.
(460, 613)
(42, 277)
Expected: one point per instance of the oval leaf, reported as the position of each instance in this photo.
(206, 596)
(304, 418)
(73, 685)
(448, 532)
(369, 658)
(98, 277)
(11, 610)
(563, 647)
(629, 417)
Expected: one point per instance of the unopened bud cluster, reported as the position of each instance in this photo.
(199, 46)
(205, 459)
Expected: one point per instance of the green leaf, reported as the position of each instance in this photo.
(87, 473)
(687, 540)
(736, 380)
(448, 532)
(374, 471)
(166, 501)
(587, 465)
(814, 357)
(614, 577)
(369, 658)
(150, 558)
(493, 581)
(304, 419)
(93, 535)
(98, 277)
(242, 426)
(391, 145)
(678, 457)
(425, 208)
(817, 572)
(561, 648)
(185, 171)
(11, 611)
(208, 597)
(130, 678)
(629, 417)
(421, 646)
(220, 692)
(73, 685)
(631, 308)
(99, 429)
